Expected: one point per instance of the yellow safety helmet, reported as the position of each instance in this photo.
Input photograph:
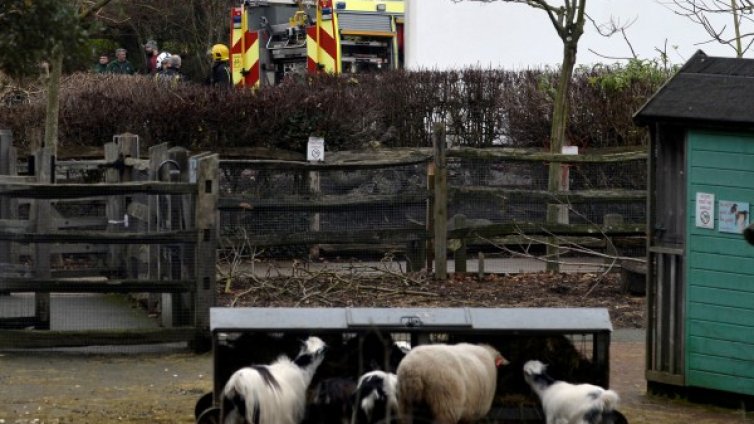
(220, 52)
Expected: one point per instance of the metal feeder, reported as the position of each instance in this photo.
(578, 338)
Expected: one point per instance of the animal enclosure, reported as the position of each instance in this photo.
(74, 234)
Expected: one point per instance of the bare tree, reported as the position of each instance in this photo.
(568, 21)
(85, 10)
(712, 15)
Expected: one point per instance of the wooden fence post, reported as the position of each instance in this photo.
(430, 218)
(459, 255)
(441, 203)
(7, 167)
(123, 146)
(208, 187)
(180, 263)
(44, 170)
(157, 155)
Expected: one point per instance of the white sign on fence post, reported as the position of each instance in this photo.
(315, 149)
(705, 210)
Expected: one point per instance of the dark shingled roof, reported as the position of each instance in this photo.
(707, 91)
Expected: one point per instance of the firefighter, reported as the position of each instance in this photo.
(220, 74)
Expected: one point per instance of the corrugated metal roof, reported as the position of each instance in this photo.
(705, 91)
(482, 319)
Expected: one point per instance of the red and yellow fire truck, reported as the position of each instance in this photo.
(275, 39)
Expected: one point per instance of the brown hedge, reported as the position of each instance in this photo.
(481, 108)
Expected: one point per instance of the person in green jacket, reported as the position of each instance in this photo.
(101, 66)
(120, 65)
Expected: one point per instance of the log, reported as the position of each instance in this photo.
(63, 191)
(83, 286)
(26, 339)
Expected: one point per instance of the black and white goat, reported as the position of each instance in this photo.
(566, 403)
(275, 393)
(375, 398)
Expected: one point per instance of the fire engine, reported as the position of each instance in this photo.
(275, 39)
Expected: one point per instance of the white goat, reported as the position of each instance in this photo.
(376, 399)
(456, 383)
(272, 394)
(566, 403)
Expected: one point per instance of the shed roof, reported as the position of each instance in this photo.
(707, 91)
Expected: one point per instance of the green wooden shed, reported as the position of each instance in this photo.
(700, 273)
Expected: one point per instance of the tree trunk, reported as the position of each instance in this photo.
(53, 102)
(558, 138)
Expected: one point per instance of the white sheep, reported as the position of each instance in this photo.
(456, 383)
(272, 394)
(376, 399)
(566, 403)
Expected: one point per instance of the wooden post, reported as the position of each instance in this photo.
(315, 191)
(206, 247)
(558, 181)
(116, 152)
(157, 156)
(480, 268)
(44, 162)
(459, 256)
(180, 264)
(416, 255)
(6, 168)
(441, 203)
(430, 218)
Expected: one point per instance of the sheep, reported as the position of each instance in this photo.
(454, 383)
(272, 394)
(566, 403)
(375, 398)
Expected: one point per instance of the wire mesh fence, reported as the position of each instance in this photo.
(322, 217)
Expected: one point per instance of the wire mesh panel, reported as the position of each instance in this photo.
(287, 211)
(486, 191)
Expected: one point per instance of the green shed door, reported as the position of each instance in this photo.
(720, 265)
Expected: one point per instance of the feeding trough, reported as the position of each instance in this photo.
(575, 341)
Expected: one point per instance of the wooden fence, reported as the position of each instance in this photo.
(157, 236)
(418, 235)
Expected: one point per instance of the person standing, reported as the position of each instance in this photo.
(220, 74)
(101, 66)
(151, 51)
(171, 70)
(120, 65)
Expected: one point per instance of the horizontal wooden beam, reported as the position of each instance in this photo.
(83, 286)
(61, 191)
(37, 339)
(67, 249)
(334, 237)
(592, 156)
(103, 237)
(533, 228)
(337, 203)
(576, 196)
(21, 323)
(343, 162)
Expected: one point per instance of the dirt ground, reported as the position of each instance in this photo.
(162, 386)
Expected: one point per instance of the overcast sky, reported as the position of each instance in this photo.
(516, 36)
